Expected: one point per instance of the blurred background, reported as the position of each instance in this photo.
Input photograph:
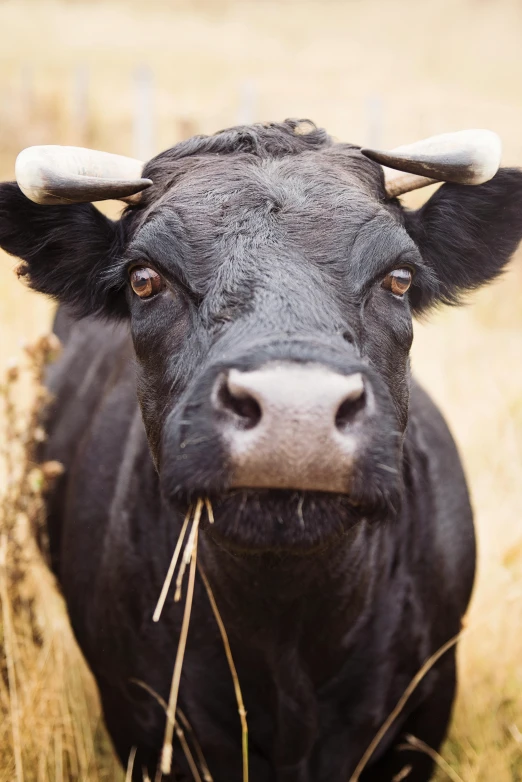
(136, 77)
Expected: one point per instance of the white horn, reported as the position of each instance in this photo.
(73, 175)
(468, 157)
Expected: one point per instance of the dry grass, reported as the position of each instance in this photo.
(50, 726)
(373, 70)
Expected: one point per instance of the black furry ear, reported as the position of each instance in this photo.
(466, 235)
(67, 250)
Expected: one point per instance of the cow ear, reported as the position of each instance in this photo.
(466, 235)
(68, 251)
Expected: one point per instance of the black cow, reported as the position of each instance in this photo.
(244, 336)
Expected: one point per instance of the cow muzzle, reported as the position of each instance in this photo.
(292, 426)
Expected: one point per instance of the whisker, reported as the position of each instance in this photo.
(195, 441)
(300, 510)
(387, 468)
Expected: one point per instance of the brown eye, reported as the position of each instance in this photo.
(145, 281)
(398, 281)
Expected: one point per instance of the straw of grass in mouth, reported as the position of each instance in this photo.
(172, 567)
(130, 765)
(166, 755)
(210, 510)
(189, 547)
(190, 555)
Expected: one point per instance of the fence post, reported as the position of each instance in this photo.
(186, 128)
(247, 102)
(26, 104)
(80, 107)
(143, 114)
(374, 120)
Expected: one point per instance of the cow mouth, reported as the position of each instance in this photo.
(293, 518)
(253, 520)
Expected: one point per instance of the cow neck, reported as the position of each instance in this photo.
(310, 605)
(293, 621)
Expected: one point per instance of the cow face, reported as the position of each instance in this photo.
(272, 325)
(270, 287)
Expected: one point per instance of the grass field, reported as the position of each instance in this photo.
(384, 72)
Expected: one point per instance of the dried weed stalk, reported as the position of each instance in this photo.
(49, 714)
(412, 742)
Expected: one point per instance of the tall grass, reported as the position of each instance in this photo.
(50, 724)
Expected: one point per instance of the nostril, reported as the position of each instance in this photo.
(350, 409)
(240, 403)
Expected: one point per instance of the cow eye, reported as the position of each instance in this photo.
(398, 281)
(145, 282)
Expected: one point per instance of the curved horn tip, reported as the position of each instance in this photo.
(468, 157)
(51, 174)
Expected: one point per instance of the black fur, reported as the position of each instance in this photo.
(273, 242)
(466, 235)
(67, 249)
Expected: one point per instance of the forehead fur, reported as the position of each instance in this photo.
(259, 144)
(249, 195)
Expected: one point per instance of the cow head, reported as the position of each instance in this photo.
(269, 281)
